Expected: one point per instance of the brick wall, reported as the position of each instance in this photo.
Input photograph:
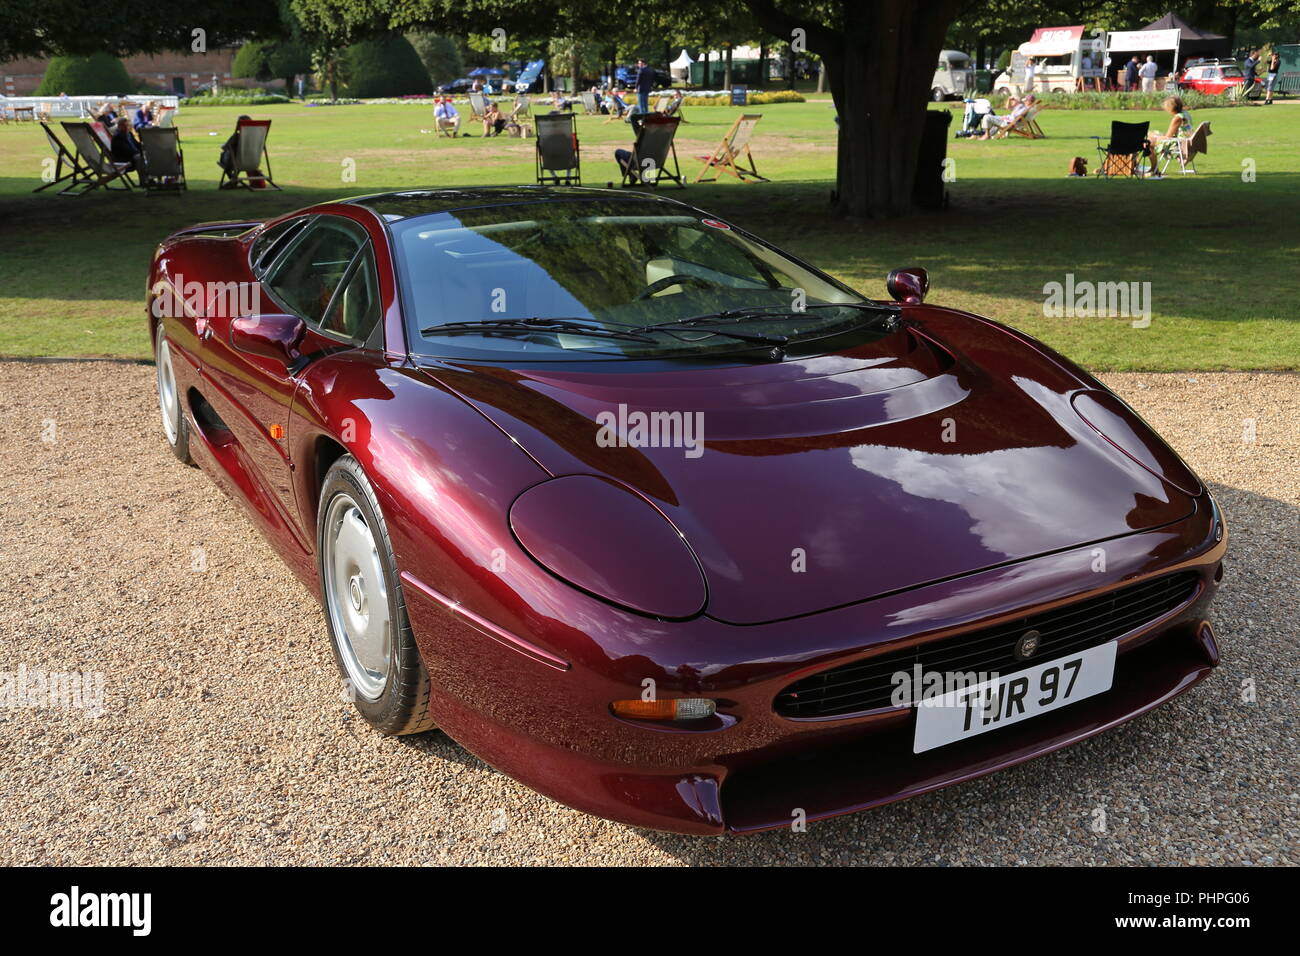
(159, 70)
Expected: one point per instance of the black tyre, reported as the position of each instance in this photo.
(364, 608)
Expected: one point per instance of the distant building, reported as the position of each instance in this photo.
(180, 73)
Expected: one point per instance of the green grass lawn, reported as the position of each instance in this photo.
(1221, 254)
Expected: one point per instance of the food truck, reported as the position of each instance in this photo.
(1062, 57)
(953, 76)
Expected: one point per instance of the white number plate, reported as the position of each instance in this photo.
(969, 711)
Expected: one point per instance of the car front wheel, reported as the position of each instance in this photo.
(364, 609)
(175, 427)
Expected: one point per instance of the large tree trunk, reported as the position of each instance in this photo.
(726, 73)
(880, 80)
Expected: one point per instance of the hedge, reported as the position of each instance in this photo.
(85, 75)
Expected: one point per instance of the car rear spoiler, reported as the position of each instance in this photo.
(231, 227)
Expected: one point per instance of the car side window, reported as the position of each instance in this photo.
(306, 276)
(355, 311)
(272, 242)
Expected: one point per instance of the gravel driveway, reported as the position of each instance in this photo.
(223, 738)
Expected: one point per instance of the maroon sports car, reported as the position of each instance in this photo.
(668, 524)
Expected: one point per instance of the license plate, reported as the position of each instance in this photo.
(970, 711)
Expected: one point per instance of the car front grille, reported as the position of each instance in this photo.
(868, 685)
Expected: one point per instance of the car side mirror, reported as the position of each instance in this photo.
(272, 336)
(909, 285)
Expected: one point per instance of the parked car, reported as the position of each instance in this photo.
(456, 87)
(626, 76)
(655, 542)
(1212, 77)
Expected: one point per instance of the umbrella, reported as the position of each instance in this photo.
(485, 71)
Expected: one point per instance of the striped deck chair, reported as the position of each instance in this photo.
(251, 164)
(163, 161)
(62, 158)
(1027, 126)
(558, 159)
(654, 148)
(589, 103)
(96, 167)
(733, 153)
(477, 106)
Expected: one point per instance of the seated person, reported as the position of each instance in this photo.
(144, 116)
(230, 149)
(558, 102)
(104, 113)
(446, 116)
(123, 146)
(493, 121)
(1018, 110)
(675, 104)
(1161, 145)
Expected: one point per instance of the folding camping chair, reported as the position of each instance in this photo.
(652, 151)
(1027, 126)
(163, 162)
(1123, 154)
(96, 168)
(589, 103)
(477, 106)
(558, 160)
(250, 159)
(734, 148)
(1186, 148)
(62, 158)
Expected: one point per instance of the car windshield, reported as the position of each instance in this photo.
(524, 280)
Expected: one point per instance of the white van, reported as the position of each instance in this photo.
(1062, 55)
(954, 76)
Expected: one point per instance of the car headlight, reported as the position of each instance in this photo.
(603, 538)
(1124, 429)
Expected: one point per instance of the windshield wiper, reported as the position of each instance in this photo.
(537, 324)
(774, 312)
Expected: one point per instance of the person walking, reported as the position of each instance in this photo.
(1148, 74)
(1248, 67)
(1131, 75)
(645, 82)
(1274, 67)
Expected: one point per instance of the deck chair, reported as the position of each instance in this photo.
(1185, 149)
(661, 104)
(250, 157)
(166, 116)
(652, 151)
(614, 115)
(674, 108)
(1027, 126)
(477, 106)
(1122, 156)
(163, 163)
(558, 159)
(523, 107)
(589, 104)
(96, 167)
(733, 152)
(62, 158)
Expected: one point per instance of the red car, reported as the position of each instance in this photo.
(1212, 78)
(667, 524)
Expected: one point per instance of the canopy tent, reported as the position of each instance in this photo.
(1052, 41)
(682, 62)
(1192, 41)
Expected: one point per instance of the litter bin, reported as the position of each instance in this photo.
(928, 192)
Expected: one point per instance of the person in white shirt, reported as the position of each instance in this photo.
(1147, 71)
(445, 115)
(1030, 69)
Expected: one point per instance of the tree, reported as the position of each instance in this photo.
(384, 65)
(266, 60)
(439, 54)
(81, 75)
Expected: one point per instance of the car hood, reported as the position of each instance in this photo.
(818, 482)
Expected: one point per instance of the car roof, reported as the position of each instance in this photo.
(411, 203)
